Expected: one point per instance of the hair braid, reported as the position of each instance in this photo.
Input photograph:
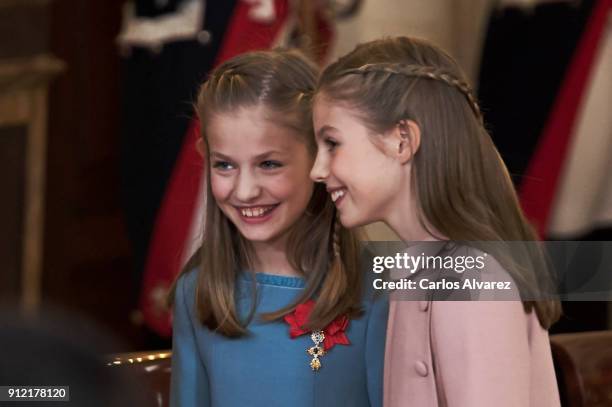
(336, 238)
(421, 71)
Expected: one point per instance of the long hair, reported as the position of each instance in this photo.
(282, 82)
(462, 185)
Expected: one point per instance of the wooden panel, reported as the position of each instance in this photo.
(20, 74)
(14, 110)
(35, 160)
(584, 365)
(23, 28)
(12, 180)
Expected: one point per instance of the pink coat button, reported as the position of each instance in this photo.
(423, 305)
(421, 368)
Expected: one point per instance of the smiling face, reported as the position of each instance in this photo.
(259, 173)
(361, 178)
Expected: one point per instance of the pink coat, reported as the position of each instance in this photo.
(467, 353)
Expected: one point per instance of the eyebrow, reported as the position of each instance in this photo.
(256, 158)
(220, 156)
(325, 129)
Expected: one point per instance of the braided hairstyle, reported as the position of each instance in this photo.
(428, 72)
(461, 184)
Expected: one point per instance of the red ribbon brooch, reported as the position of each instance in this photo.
(329, 336)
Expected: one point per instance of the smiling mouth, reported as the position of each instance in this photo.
(337, 194)
(256, 212)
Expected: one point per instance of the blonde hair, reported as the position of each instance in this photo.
(283, 82)
(462, 185)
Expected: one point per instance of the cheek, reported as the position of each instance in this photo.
(361, 172)
(295, 182)
(221, 187)
(347, 167)
(289, 185)
(339, 162)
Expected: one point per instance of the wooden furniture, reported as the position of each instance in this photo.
(584, 368)
(25, 73)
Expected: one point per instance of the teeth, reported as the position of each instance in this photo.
(337, 194)
(254, 212)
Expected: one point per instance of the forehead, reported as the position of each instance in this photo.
(249, 130)
(331, 113)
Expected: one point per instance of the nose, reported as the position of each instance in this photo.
(247, 186)
(320, 169)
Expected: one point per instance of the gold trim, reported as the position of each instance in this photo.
(138, 357)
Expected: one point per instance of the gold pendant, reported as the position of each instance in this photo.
(317, 350)
(315, 364)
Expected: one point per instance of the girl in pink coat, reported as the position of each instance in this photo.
(401, 140)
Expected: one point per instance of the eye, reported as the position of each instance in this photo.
(223, 165)
(330, 143)
(270, 164)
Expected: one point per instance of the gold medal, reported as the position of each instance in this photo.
(317, 350)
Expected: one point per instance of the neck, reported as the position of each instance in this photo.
(403, 218)
(271, 257)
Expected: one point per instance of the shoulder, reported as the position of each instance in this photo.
(462, 315)
(185, 289)
(481, 275)
(492, 295)
(493, 306)
(375, 302)
(369, 293)
(190, 277)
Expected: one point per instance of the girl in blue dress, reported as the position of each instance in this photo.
(276, 313)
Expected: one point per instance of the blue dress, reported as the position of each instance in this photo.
(267, 368)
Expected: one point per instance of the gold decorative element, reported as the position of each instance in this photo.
(138, 358)
(317, 350)
(317, 337)
(315, 364)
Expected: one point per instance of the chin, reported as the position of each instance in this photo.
(351, 222)
(258, 236)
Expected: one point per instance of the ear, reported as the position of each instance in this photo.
(200, 147)
(406, 137)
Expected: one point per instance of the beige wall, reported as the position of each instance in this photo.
(455, 25)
